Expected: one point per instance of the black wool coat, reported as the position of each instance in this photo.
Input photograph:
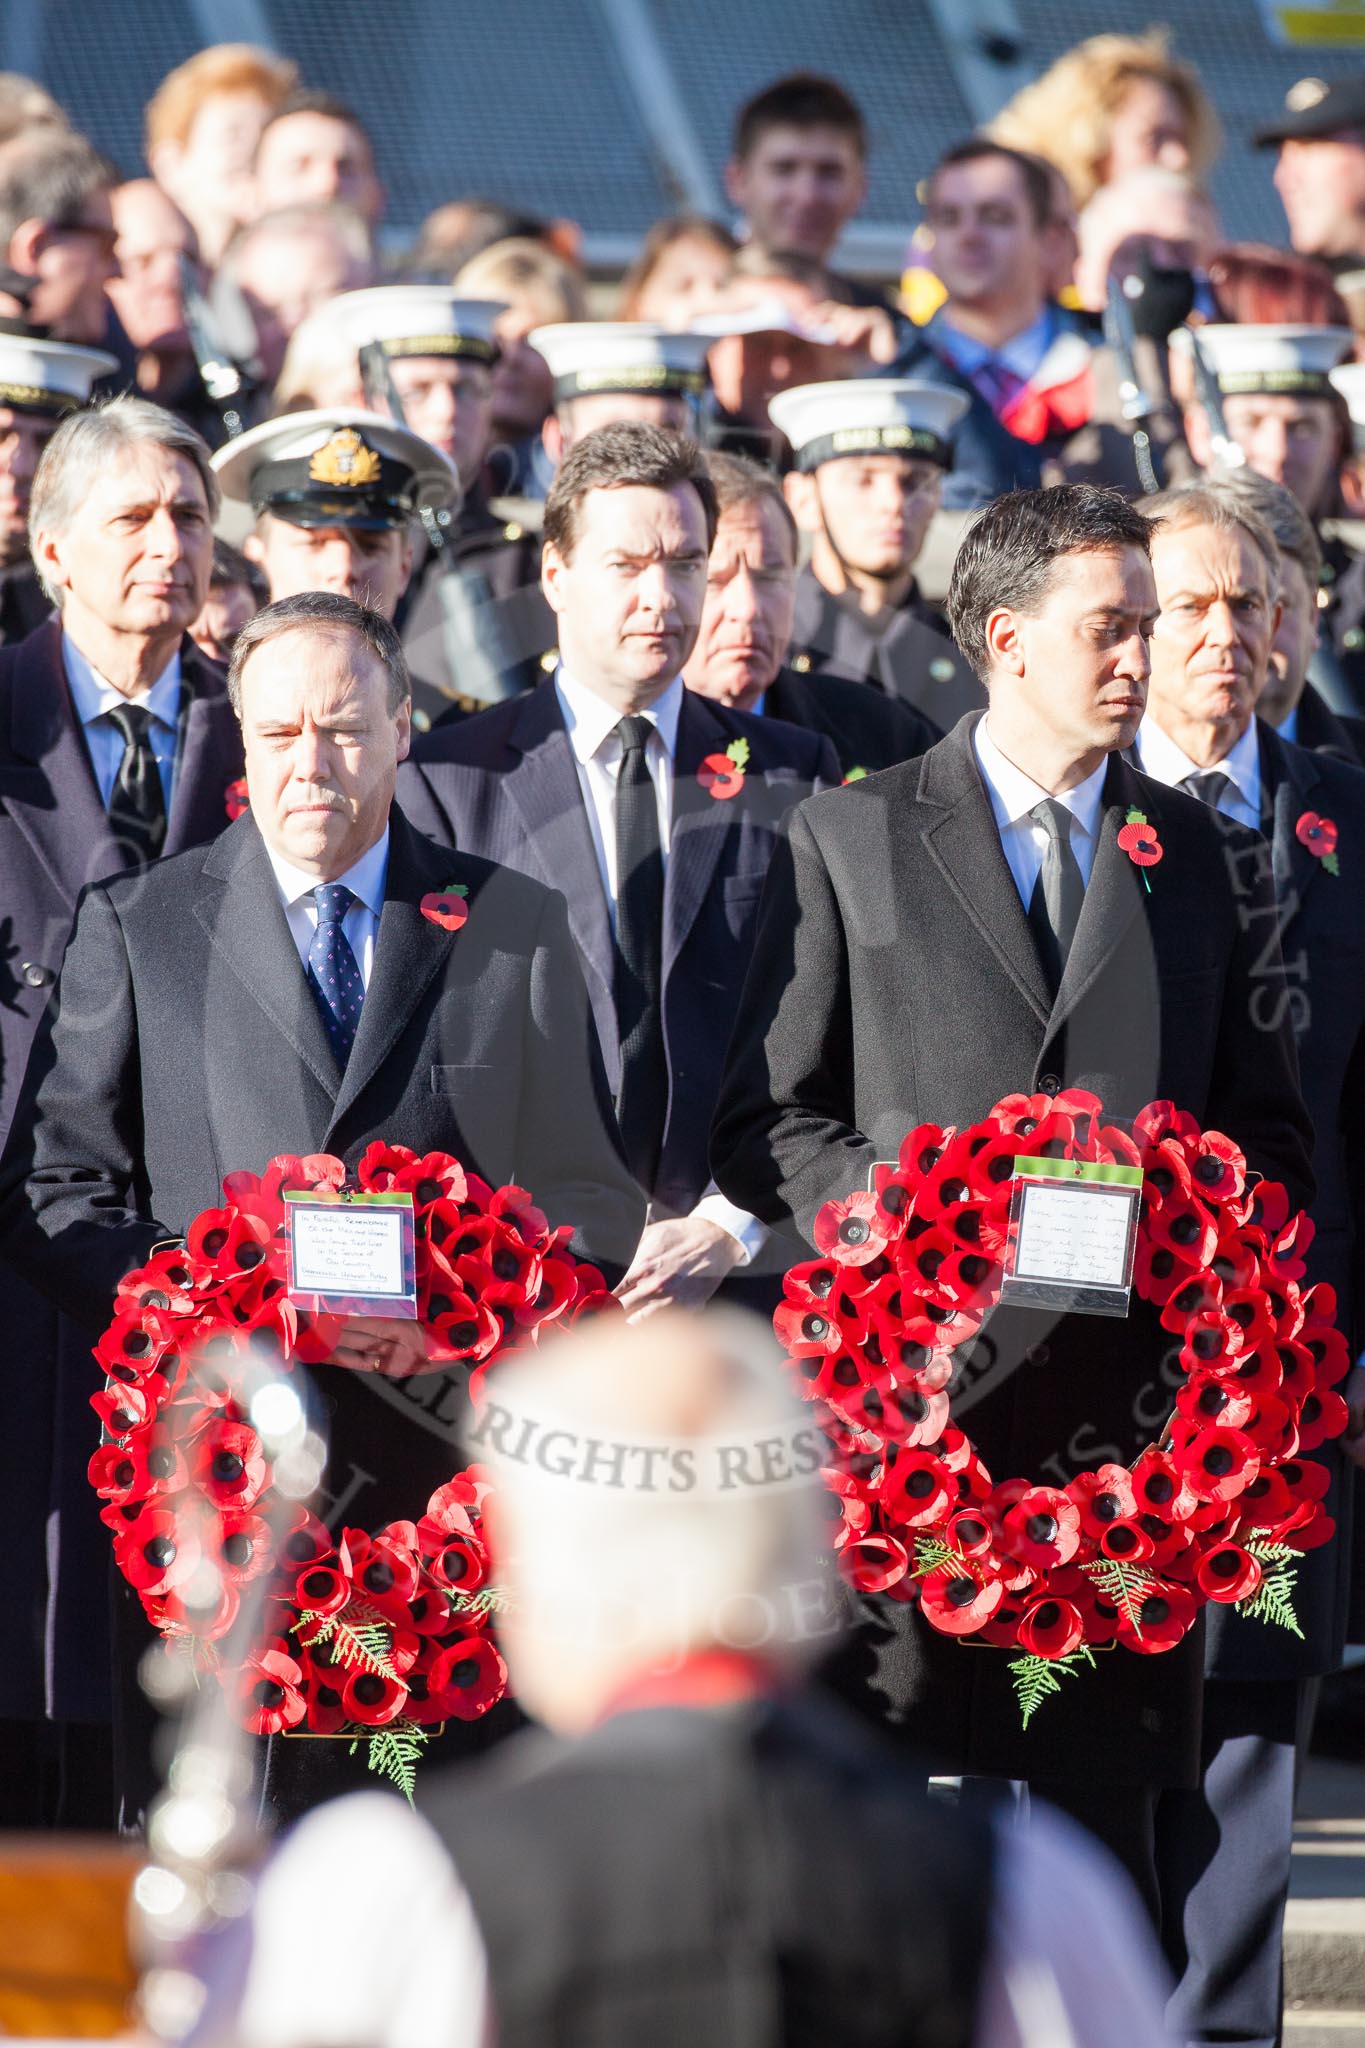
(895, 981)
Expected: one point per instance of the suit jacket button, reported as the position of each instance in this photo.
(1038, 1354)
(36, 976)
(1050, 1085)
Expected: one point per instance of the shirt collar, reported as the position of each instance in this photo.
(93, 696)
(1288, 728)
(1014, 795)
(1168, 763)
(1021, 354)
(589, 719)
(365, 880)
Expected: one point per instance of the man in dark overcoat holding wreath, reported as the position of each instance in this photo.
(289, 989)
(967, 926)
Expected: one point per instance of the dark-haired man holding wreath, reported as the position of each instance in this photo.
(968, 926)
(293, 987)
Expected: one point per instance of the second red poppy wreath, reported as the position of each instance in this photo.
(377, 1635)
(1124, 1556)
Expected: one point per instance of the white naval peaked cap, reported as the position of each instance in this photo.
(587, 356)
(338, 467)
(868, 416)
(54, 377)
(1251, 356)
(1349, 380)
(418, 320)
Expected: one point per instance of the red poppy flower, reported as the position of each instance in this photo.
(322, 1589)
(467, 1679)
(1051, 1628)
(1287, 1255)
(124, 1408)
(807, 1329)
(134, 1344)
(118, 1472)
(1322, 1417)
(853, 1232)
(722, 775)
(1216, 1463)
(157, 1552)
(1127, 1542)
(957, 1604)
(1319, 835)
(1228, 1573)
(459, 1326)
(373, 1700)
(267, 1692)
(1329, 1352)
(229, 1465)
(169, 1613)
(873, 1564)
(1158, 1486)
(1103, 1496)
(383, 1568)
(313, 1174)
(1165, 1613)
(1219, 1167)
(922, 1148)
(1043, 1528)
(916, 1490)
(446, 907)
(304, 1541)
(461, 1564)
(165, 1284)
(969, 1533)
(1158, 1273)
(236, 799)
(1213, 1342)
(227, 1242)
(1160, 1121)
(1187, 1228)
(1139, 841)
(1215, 1397)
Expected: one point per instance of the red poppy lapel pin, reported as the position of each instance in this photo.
(446, 907)
(1319, 835)
(722, 775)
(1138, 839)
(235, 799)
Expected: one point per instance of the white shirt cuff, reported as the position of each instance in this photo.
(749, 1234)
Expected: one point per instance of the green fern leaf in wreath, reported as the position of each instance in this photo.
(1273, 1600)
(394, 1753)
(366, 1642)
(934, 1555)
(1124, 1586)
(488, 1600)
(1035, 1679)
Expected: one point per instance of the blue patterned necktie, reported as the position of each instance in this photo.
(333, 974)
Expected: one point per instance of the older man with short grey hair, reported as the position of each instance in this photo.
(117, 745)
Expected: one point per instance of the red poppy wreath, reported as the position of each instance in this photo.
(1125, 1556)
(381, 1636)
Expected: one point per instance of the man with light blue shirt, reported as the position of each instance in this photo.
(654, 810)
(969, 926)
(285, 990)
(1224, 1848)
(117, 745)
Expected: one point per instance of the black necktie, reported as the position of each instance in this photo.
(137, 805)
(1208, 784)
(1055, 906)
(643, 1098)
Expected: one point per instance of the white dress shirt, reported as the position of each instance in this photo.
(1013, 795)
(93, 697)
(361, 923)
(591, 724)
(364, 1889)
(1165, 762)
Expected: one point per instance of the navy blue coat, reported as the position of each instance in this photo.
(987, 458)
(54, 839)
(505, 785)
